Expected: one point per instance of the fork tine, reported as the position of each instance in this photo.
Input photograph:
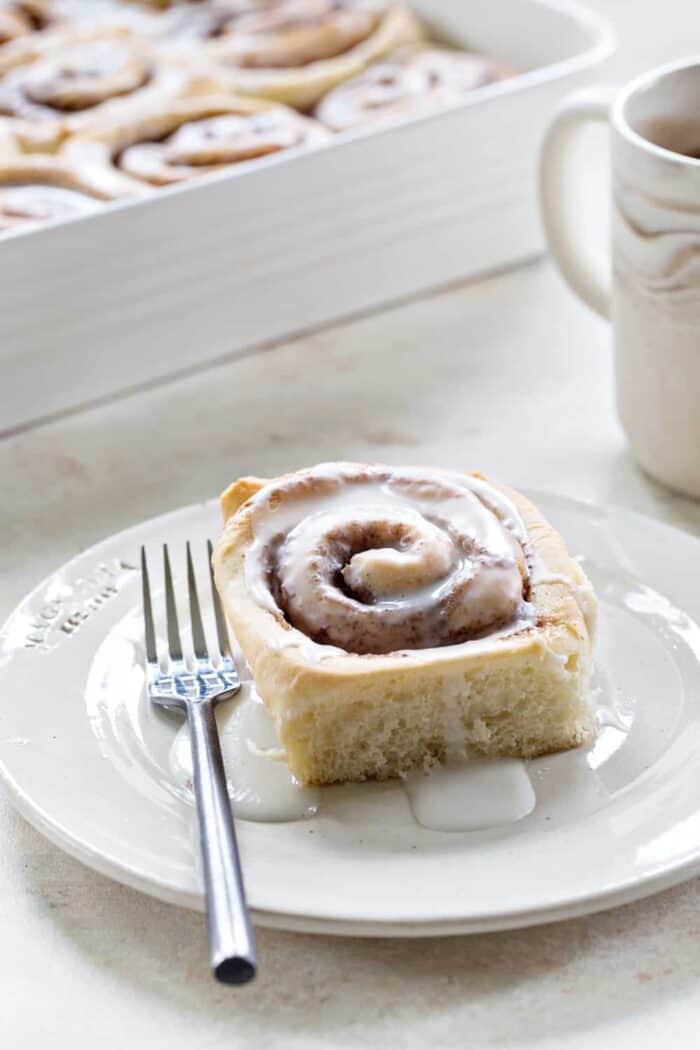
(221, 629)
(174, 643)
(149, 627)
(199, 641)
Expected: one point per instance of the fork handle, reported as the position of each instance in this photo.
(231, 940)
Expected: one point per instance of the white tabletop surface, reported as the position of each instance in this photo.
(509, 375)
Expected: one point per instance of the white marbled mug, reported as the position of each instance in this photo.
(652, 290)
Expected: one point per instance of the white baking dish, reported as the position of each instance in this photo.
(141, 290)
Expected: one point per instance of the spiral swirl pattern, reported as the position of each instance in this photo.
(283, 34)
(377, 560)
(77, 79)
(200, 146)
(408, 82)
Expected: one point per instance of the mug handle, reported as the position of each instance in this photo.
(589, 275)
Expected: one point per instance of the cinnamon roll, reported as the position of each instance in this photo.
(179, 139)
(64, 79)
(39, 189)
(295, 51)
(407, 83)
(394, 616)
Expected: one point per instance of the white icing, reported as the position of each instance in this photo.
(471, 795)
(260, 785)
(463, 794)
(610, 717)
(273, 754)
(291, 639)
(392, 575)
(434, 506)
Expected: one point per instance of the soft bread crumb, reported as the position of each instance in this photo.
(534, 708)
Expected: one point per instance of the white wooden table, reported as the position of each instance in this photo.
(509, 375)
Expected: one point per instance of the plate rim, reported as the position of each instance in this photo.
(664, 876)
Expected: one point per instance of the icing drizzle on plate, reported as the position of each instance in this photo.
(461, 795)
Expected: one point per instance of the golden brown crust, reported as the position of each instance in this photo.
(237, 493)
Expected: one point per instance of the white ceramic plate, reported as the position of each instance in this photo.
(86, 759)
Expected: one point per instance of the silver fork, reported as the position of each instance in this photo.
(195, 689)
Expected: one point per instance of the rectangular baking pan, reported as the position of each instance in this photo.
(146, 289)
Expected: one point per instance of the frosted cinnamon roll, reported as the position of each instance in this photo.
(75, 80)
(180, 139)
(409, 82)
(64, 80)
(393, 615)
(295, 51)
(39, 189)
